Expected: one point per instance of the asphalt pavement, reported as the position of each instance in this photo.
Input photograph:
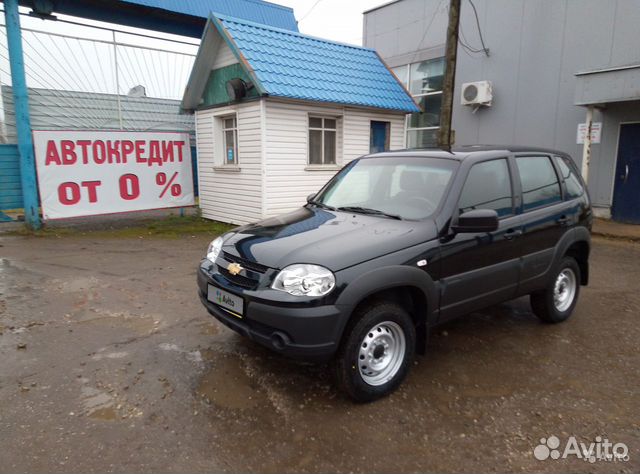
(110, 363)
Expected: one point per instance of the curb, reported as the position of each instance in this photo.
(624, 238)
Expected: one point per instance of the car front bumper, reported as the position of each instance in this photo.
(309, 332)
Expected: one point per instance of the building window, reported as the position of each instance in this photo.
(424, 82)
(322, 141)
(230, 140)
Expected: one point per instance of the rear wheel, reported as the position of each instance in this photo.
(555, 303)
(376, 352)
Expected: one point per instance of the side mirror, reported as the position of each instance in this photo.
(310, 197)
(477, 220)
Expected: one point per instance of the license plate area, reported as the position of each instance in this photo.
(227, 301)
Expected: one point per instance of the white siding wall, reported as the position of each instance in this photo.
(227, 196)
(288, 182)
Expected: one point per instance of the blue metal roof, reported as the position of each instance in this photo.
(293, 65)
(256, 11)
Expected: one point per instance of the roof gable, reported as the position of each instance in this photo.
(216, 51)
(296, 66)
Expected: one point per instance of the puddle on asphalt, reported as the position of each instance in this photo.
(72, 285)
(97, 404)
(227, 384)
(109, 355)
(193, 356)
(104, 414)
(208, 329)
(142, 324)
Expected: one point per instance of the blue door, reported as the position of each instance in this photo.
(379, 138)
(626, 191)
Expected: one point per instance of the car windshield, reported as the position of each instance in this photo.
(396, 187)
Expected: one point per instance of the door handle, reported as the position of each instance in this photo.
(564, 220)
(512, 234)
(626, 173)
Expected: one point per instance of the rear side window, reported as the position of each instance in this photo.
(540, 186)
(488, 186)
(572, 183)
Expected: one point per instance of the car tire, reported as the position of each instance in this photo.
(376, 352)
(555, 303)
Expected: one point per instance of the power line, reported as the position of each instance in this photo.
(475, 12)
(309, 11)
(465, 44)
(426, 30)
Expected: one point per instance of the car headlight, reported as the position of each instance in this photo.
(305, 280)
(214, 249)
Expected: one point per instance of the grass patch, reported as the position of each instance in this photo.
(168, 227)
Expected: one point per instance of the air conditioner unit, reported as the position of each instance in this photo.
(477, 93)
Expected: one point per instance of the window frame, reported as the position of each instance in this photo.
(224, 129)
(569, 163)
(515, 187)
(387, 141)
(556, 170)
(322, 129)
(416, 97)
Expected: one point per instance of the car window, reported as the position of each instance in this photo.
(488, 186)
(409, 187)
(431, 181)
(540, 186)
(572, 183)
(360, 186)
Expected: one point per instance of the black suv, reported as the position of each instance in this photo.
(396, 243)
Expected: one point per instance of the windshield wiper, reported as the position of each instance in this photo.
(321, 205)
(367, 210)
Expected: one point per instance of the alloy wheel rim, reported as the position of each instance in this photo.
(381, 353)
(564, 290)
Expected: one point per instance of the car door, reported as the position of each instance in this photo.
(546, 216)
(481, 269)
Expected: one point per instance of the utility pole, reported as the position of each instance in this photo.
(23, 121)
(445, 134)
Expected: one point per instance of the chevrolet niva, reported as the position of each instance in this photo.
(396, 243)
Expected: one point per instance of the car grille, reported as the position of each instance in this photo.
(248, 264)
(238, 280)
(252, 270)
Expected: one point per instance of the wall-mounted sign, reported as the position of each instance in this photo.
(83, 173)
(596, 132)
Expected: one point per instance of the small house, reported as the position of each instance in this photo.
(278, 113)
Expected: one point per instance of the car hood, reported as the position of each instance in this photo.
(333, 239)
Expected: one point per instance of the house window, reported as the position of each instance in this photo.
(230, 140)
(424, 82)
(322, 141)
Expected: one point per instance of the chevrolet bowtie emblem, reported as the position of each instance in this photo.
(234, 268)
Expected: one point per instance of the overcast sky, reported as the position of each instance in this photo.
(339, 20)
(73, 63)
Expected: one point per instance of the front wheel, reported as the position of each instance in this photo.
(556, 303)
(376, 352)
